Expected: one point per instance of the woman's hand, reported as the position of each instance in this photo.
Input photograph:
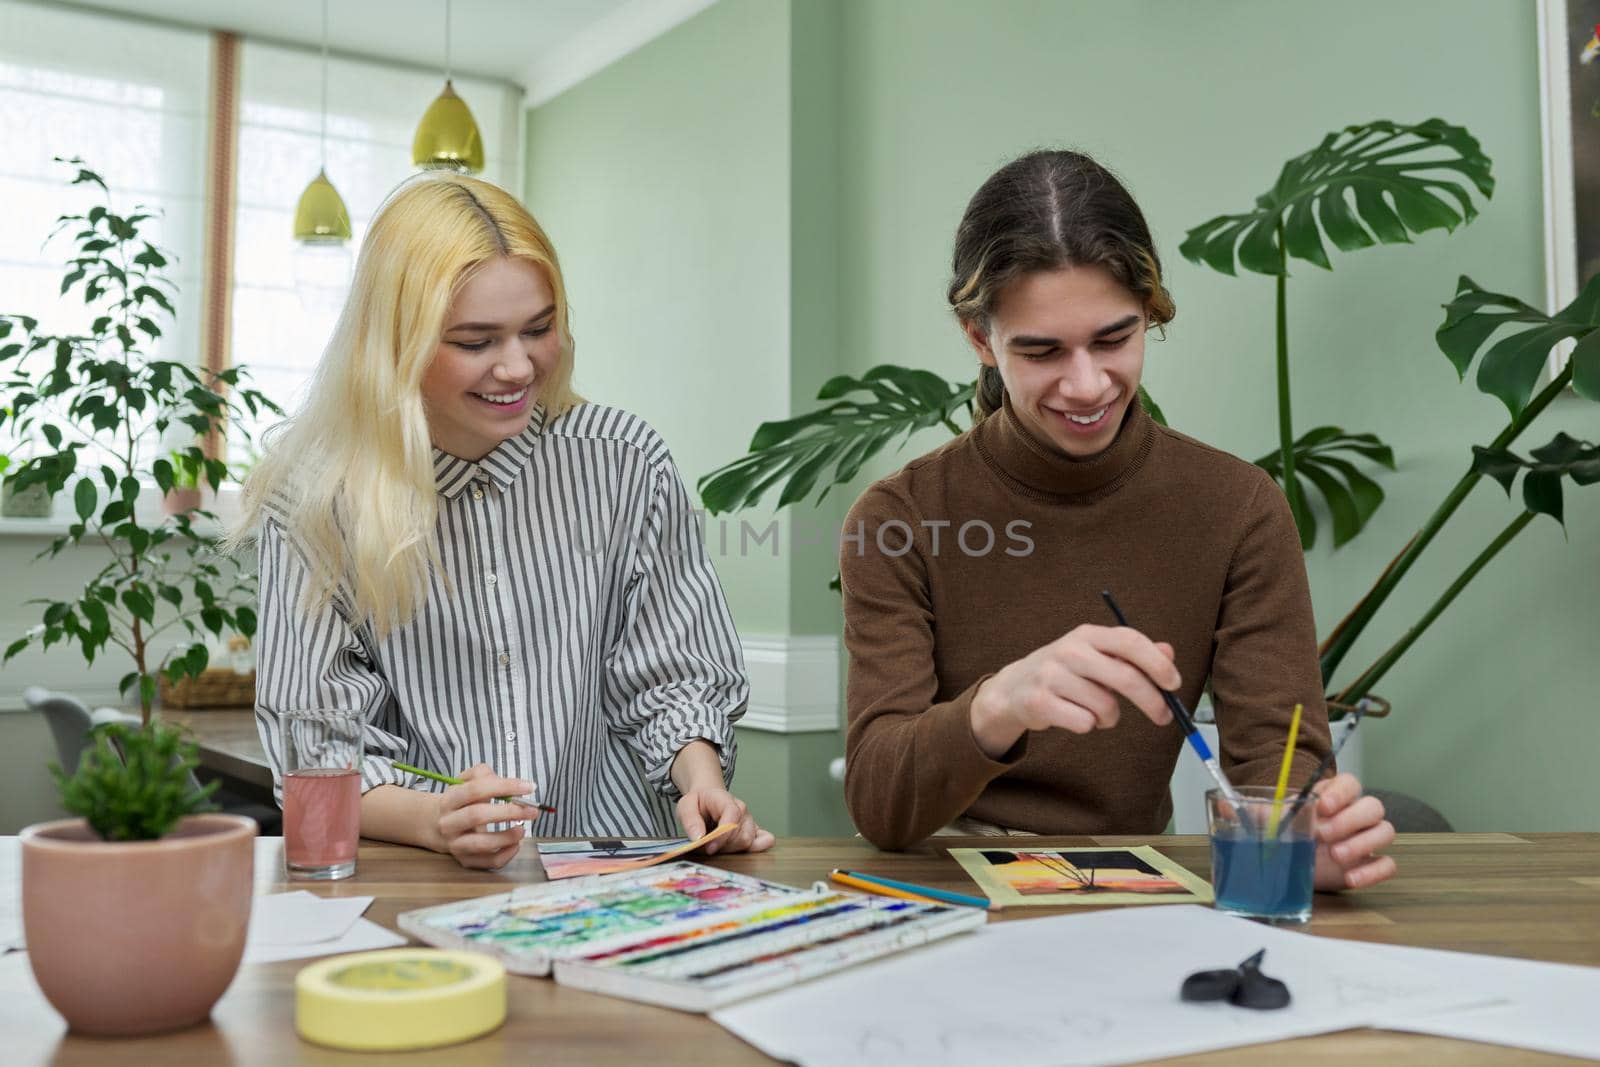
(707, 804)
(1073, 683)
(466, 810)
(1350, 830)
(705, 809)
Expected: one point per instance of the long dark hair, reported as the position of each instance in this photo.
(1045, 211)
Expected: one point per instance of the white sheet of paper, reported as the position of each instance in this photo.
(299, 917)
(364, 936)
(1100, 988)
(298, 924)
(11, 936)
(1553, 1007)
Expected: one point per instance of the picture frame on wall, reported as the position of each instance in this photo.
(1569, 69)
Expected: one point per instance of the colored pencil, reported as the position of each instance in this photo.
(449, 780)
(873, 887)
(1283, 773)
(943, 896)
(1185, 720)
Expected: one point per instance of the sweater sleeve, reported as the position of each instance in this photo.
(1265, 660)
(911, 762)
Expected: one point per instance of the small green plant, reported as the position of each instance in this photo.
(140, 794)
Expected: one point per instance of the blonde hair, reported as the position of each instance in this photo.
(1044, 211)
(351, 473)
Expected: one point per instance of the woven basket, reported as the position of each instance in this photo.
(217, 687)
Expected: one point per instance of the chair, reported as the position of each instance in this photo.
(1410, 815)
(70, 722)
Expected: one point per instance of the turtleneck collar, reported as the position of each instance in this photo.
(1037, 468)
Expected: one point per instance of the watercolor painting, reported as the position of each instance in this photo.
(571, 859)
(1056, 876)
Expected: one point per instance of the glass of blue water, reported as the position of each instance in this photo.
(1260, 870)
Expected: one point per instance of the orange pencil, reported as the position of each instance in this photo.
(873, 887)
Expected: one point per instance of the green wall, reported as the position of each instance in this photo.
(1197, 106)
(766, 196)
(703, 300)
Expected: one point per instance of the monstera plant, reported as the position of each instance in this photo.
(1510, 370)
(1378, 183)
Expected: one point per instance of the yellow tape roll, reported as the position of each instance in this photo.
(399, 998)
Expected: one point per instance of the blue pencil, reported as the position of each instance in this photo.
(943, 895)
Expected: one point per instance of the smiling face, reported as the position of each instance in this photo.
(1069, 346)
(499, 343)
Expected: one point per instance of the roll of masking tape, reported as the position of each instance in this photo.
(399, 998)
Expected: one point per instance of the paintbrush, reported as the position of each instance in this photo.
(1350, 722)
(448, 780)
(1181, 713)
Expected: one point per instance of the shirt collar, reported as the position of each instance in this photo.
(500, 468)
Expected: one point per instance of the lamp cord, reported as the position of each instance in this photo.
(324, 134)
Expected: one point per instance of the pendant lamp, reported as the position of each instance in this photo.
(447, 137)
(321, 217)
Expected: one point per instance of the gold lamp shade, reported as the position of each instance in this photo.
(447, 136)
(321, 216)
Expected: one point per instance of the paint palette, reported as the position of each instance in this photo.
(684, 935)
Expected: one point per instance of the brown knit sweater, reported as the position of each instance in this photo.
(1199, 549)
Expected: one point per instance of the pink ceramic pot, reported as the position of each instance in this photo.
(137, 937)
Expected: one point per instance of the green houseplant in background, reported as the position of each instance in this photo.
(157, 951)
(104, 392)
(1403, 181)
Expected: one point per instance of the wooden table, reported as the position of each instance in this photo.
(229, 743)
(1529, 895)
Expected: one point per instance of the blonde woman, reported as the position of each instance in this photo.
(506, 580)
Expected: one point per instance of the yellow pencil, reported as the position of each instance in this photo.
(873, 887)
(1283, 774)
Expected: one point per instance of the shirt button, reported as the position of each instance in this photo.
(491, 579)
(477, 494)
(511, 735)
(504, 658)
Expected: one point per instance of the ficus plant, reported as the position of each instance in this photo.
(94, 409)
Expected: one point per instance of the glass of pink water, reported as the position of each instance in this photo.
(321, 791)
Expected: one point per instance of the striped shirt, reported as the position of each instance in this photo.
(586, 640)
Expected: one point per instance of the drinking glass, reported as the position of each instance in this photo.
(1257, 872)
(322, 750)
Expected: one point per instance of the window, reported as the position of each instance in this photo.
(128, 98)
(286, 298)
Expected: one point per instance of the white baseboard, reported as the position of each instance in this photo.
(794, 683)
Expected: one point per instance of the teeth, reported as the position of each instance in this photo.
(1087, 420)
(502, 398)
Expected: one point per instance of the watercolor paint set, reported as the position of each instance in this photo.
(683, 935)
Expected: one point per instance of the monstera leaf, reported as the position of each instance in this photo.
(1511, 367)
(842, 436)
(1403, 180)
(1564, 456)
(829, 446)
(1351, 497)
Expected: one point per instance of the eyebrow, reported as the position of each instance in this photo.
(547, 312)
(1030, 341)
